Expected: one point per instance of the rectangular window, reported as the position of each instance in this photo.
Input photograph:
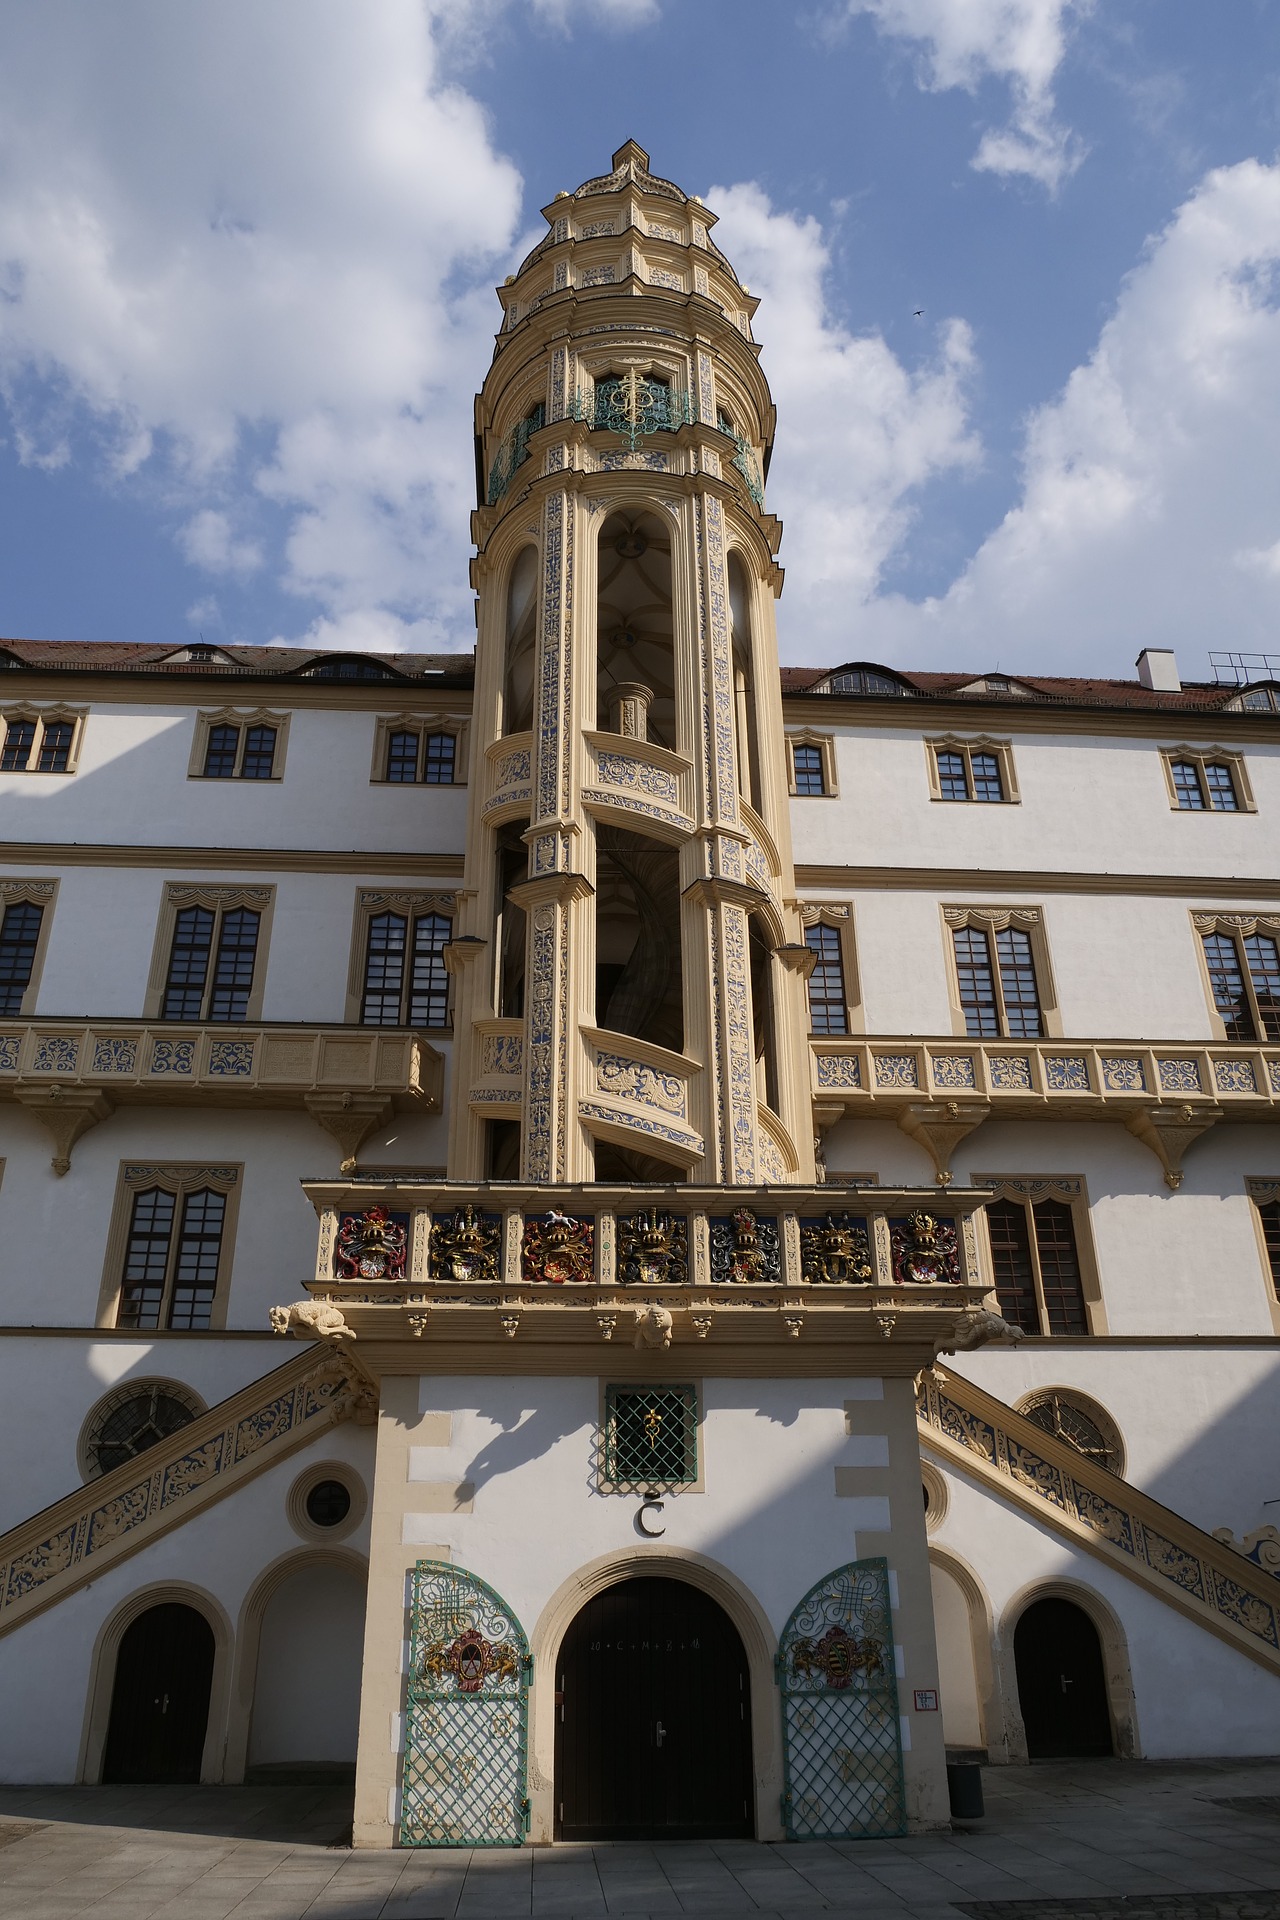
(19, 739)
(195, 990)
(1220, 787)
(1244, 976)
(402, 757)
(220, 753)
(437, 766)
(405, 982)
(828, 1001)
(953, 778)
(231, 746)
(1269, 1218)
(55, 747)
(979, 770)
(1213, 781)
(986, 777)
(1000, 998)
(259, 761)
(807, 762)
(19, 937)
(1037, 1266)
(170, 1278)
(1186, 784)
(651, 1437)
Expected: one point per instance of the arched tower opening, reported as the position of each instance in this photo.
(522, 609)
(639, 984)
(635, 660)
(744, 684)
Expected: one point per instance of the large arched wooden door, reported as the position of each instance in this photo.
(653, 1718)
(1062, 1686)
(160, 1699)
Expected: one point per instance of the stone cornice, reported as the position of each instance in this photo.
(371, 864)
(1036, 880)
(932, 713)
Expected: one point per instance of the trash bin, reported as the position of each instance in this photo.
(964, 1787)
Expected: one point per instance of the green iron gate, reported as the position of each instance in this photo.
(841, 1735)
(466, 1718)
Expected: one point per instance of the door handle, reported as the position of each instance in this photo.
(659, 1734)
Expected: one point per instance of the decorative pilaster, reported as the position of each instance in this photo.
(558, 936)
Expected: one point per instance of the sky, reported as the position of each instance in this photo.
(1018, 263)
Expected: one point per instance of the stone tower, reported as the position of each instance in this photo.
(630, 991)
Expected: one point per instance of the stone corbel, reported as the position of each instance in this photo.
(350, 1118)
(467, 946)
(1169, 1132)
(798, 957)
(65, 1113)
(941, 1128)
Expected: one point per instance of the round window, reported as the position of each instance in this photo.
(328, 1503)
(136, 1416)
(1084, 1426)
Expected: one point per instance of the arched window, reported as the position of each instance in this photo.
(522, 608)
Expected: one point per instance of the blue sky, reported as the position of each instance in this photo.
(246, 264)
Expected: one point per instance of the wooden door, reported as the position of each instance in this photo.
(1062, 1686)
(160, 1699)
(653, 1719)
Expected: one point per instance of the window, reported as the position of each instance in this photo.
(168, 1254)
(19, 943)
(979, 770)
(1039, 1273)
(1212, 781)
(349, 666)
(828, 999)
(513, 451)
(1078, 1421)
(1265, 1195)
(414, 748)
(807, 762)
(650, 1437)
(405, 982)
(811, 764)
(131, 1418)
(206, 965)
(39, 742)
(867, 680)
(1243, 964)
(996, 975)
(1265, 699)
(235, 745)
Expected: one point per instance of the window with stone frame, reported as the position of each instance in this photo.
(1041, 1255)
(413, 750)
(811, 765)
(1265, 1195)
(999, 971)
(1207, 780)
(979, 770)
(25, 909)
(41, 740)
(210, 955)
(1242, 966)
(235, 744)
(828, 988)
(400, 977)
(650, 1438)
(169, 1252)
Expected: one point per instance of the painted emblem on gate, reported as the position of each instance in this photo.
(470, 1661)
(838, 1656)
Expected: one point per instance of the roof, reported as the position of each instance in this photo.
(229, 662)
(1068, 690)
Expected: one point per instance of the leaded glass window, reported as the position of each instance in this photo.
(651, 1437)
(170, 1279)
(1037, 1266)
(19, 739)
(197, 990)
(402, 757)
(405, 981)
(1244, 976)
(809, 776)
(997, 999)
(19, 936)
(828, 1001)
(438, 759)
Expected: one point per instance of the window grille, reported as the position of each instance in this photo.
(651, 1437)
(1068, 1420)
(19, 936)
(170, 1279)
(405, 982)
(1244, 976)
(193, 989)
(18, 741)
(828, 1001)
(999, 999)
(809, 776)
(1037, 1266)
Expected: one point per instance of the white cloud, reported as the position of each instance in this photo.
(858, 432)
(1021, 42)
(249, 251)
(1150, 508)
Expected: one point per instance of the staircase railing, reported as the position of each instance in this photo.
(80, 1536)
(1178, 1562)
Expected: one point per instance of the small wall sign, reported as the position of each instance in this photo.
(926, 1699)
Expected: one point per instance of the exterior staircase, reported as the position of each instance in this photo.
(80, 1536)
(1202, 1577)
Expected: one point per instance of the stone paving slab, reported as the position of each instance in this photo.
(1098, 1840)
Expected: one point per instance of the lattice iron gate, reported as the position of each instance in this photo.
(466, 1720)
(841, 1735)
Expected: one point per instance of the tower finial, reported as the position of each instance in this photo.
(633, 151)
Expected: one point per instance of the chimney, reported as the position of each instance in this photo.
(1158, 669)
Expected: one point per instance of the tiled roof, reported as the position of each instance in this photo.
(124, 656)
(1202, 696)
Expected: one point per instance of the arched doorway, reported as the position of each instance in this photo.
(1062, 1686)
(653, 1718)
(160, 1698)
(295, 1723)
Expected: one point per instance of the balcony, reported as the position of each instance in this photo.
(872, 1278)
(1166, 1094)
(71, 1074)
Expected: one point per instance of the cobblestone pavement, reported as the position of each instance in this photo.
(1060, 1842)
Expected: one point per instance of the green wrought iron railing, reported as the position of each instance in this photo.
(513, 452)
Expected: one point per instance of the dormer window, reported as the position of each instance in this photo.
(867, 680)
(349, 666)
(998, 683)
(1264, 699)
(201, 653)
